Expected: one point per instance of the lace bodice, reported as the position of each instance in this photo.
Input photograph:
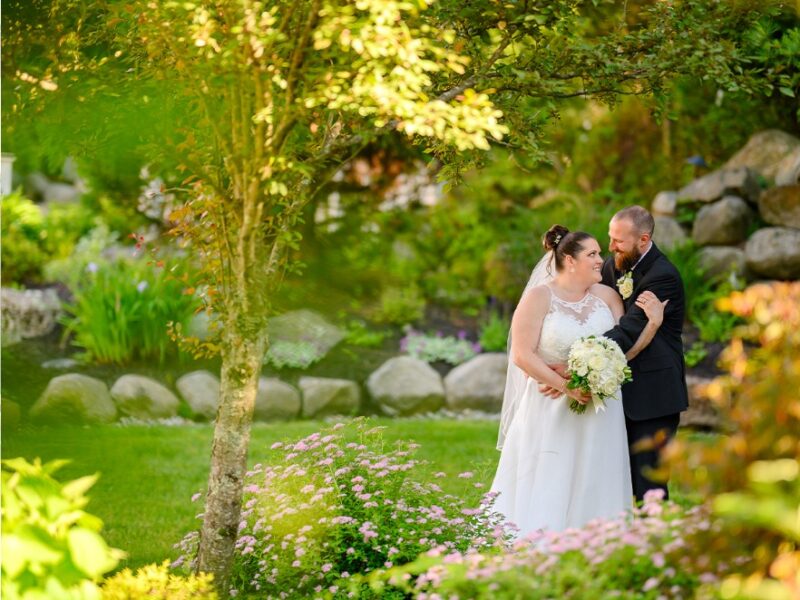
(565, 322)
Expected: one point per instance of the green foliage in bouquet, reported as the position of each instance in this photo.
(52, 548)
(597, 367)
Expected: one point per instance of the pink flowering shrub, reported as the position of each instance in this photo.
(635, 556)
(336, 504)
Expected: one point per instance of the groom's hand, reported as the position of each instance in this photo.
(551, 392)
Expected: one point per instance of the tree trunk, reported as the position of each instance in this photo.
(241, 367)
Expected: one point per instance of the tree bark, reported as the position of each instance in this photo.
(241, 367)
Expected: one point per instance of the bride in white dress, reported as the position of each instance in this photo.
(559, 469)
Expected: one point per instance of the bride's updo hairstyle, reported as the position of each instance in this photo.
(563, 242)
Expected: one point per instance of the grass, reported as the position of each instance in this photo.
(149, 473)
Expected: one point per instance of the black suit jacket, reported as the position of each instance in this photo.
(659, 372)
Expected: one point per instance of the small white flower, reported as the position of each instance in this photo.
(625, 285)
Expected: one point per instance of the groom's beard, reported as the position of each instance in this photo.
(624, 261)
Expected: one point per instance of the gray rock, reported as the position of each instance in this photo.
(405, 385)
(764, 152)
(781, 206)
(789, 169)
(143, 398)
(742, 182)
(774, 252)
(305, 326)
(701, 412)
(720, 261)
(74, 398)
(60, 363)
(668, 233)
(276, 400)
(28, 313)
(722, 223)
(200, 326)
(478, 383)
(323, 396)
(53, 192)
(200, 390)
(665, 204)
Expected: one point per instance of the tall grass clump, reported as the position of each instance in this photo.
(337, 504)
(122, 309)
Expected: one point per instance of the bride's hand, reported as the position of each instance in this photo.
(652, 307)
(578, 395)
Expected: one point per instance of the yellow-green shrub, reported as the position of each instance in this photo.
(51, 547)
(155, 582)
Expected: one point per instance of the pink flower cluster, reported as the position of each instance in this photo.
(336, 503)
(639, 555)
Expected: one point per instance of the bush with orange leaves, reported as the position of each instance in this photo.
(751, 474)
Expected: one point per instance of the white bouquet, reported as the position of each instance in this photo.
(598, 367)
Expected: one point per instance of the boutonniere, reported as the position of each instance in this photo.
(625, 285)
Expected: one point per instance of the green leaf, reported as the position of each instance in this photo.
(31, 544)
(786, 91)
(79, 487)
(89, 552)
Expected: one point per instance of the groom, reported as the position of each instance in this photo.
(655, 398)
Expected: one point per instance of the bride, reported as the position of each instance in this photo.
(559, 469)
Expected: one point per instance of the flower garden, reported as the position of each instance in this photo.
(259, 262)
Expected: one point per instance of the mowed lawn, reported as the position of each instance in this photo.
(149, 473)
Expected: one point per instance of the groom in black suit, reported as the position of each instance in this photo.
(655, 398)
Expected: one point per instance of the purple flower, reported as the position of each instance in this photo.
(141, 286)
(92, 267)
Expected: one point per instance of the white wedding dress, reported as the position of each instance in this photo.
(559, 469)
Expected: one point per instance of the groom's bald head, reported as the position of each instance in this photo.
(639, 217)
(629, 234)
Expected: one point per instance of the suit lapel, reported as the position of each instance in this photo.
(644, 266)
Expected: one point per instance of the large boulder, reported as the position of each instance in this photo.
(764, 152)
(305, 326)
(665, 203)
(276, 400)
(478, 383)
(200, 390)
(742, 182)
(774, 252)
(722, 223)
(405, 385)
(323, 396)
(74, 398)
(719, 261)
(781, 206)
(789, 169)
(701, 412)
(668, 233)
(28, 313)
(143, 398)
(53, 192)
